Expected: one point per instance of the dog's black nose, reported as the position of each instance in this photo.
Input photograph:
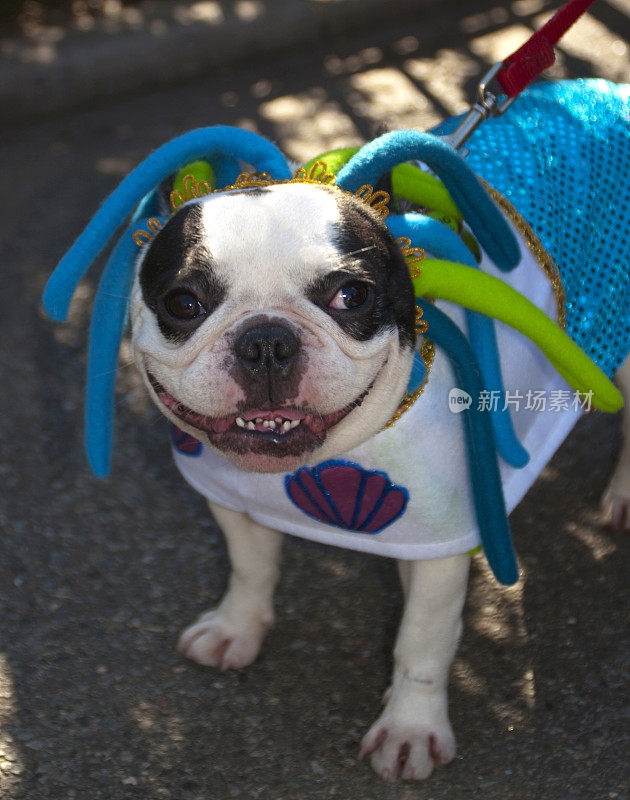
(267, 350)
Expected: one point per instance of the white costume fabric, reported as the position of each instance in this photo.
(422, 507)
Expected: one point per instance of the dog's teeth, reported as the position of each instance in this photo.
(278, 424)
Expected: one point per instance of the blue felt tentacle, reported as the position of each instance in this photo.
(484, 218)
(485, 477)
(226, 170)
(149, 206)
(109, 314)
(442, 242)
(203, 142)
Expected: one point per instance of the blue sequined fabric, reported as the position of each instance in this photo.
(561, 155)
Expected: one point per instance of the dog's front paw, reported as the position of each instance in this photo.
(225, 637)
(413, 735)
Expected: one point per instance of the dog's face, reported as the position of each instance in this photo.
(274, 324)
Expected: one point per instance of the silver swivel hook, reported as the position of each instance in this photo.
(490, 102)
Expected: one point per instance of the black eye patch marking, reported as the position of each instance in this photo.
(349, 297)
(371, 291)
(177, 277)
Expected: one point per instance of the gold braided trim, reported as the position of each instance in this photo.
(192, 189)
(141, 237)
(376, 200)
(421, 325)
(427, 351)
(413, 256)
(545, 261)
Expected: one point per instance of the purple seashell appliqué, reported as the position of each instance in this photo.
(345, 495)
(184, 443)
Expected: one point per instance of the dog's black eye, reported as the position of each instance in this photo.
(353, 294)
(183, 305)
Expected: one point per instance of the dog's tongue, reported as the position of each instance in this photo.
(283, 413)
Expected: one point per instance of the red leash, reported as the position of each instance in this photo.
(536, 55)
(517, 71)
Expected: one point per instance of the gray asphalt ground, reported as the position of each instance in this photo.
(98, 577)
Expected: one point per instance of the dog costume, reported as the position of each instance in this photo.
(560, 159)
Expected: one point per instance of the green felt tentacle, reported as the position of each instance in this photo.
(334, 159)
(408, 181)
(424, 189)
(200, 170)
(480, 292)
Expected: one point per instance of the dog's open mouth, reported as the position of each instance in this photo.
(280, 432)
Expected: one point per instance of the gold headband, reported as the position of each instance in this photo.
(318, 174)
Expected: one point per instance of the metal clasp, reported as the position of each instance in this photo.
(491, 102)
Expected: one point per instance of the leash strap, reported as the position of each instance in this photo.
(537, 55)
(498, 89)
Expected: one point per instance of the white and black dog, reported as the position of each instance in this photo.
(279, 322)
(276, 325)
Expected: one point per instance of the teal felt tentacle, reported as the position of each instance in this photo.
(485, 478)
(204, 142)
(484, 218)
(483, 340)
(442, 242)
(417, 375)
(109, 314)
